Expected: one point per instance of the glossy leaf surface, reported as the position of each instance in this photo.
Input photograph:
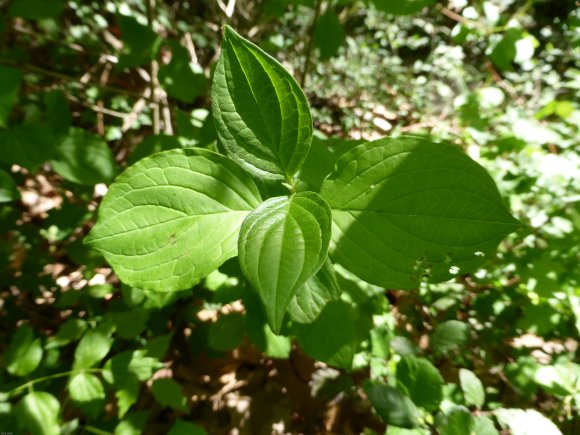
(282, 244)
(261, 114)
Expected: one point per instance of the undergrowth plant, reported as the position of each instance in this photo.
(394, 212)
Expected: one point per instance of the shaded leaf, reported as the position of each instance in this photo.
(421, 380)
(329, 34)
(331, 338)
(10, 79)
(227, 333)
(313, 296)
(84, 158)
(168, 393)
(182, 427)
(449, 336)
(406, 209)
(392, 406)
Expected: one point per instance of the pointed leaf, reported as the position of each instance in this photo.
(313, 296)
(472, 388)
(407, 208)
(172, 218)
(282, 244)
(261, 114)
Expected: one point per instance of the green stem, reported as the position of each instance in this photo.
(310, 45)
(29, 385)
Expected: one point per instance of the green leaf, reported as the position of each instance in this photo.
(262, 116)
(70, 330)
(449, 336)
(402, 7)
(24, 353)
(180, 78)
(8, 190)
(405, 209)
(329, 35)
(321, 160)
(131, 323)
(38, 412)
(126, 397)
(526, 422)
(458, 421)
(484, 426)
(274, 346)
(84, 158)
(392, 406)
(93, 347)
(133, 424)
(332, 337)
(282, 244)
(130, 367)
(504, 53)
(472, 388)
(227, 332)
(172, 218)
(182, 427)
(421, 380)
(168, 393)
(311, 298)
(140, 43)
(10, 79)
(27, 145)
(36, 9)
(88, 392)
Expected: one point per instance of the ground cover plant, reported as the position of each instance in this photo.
(194, 241)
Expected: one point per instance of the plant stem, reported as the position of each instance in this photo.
(153, 69)
(67, 78)
(28, 385)
(310, 45)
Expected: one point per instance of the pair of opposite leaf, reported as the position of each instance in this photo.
(174, 217)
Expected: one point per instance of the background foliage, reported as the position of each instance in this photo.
(87, 88)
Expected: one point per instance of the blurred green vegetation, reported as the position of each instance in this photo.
(89, 87)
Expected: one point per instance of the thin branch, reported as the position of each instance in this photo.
(310, 45)
(153, 70)
(70, 79)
